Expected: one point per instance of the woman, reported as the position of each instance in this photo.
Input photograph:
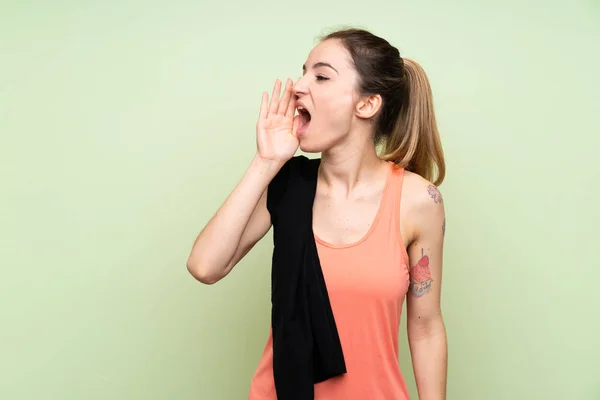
(378, 217)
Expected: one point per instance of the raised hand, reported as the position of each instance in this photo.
(276, 127)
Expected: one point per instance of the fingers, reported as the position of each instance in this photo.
(287, 105)
(263, 106)
(285, 100)
(275, 97)
(291, 109)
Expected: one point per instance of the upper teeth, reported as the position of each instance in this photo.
(300, 108)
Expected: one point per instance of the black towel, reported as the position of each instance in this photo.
(306, 345)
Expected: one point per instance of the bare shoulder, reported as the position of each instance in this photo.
(422, 205)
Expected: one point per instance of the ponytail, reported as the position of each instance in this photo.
(414, 142)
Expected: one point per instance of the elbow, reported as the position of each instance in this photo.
(426, 327)
(201, 273)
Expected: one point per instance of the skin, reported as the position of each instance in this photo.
(423, 225)
(350, 184)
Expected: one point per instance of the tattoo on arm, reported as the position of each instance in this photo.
(434, 193)
(420, 277)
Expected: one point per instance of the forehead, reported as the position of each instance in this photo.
(330, 51)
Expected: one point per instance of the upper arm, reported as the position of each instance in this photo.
(257, 227)
(425, 254)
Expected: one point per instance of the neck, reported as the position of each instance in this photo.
(348, 165)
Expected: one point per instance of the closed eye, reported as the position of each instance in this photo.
(322, 78)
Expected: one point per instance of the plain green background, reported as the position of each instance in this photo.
(124, 125)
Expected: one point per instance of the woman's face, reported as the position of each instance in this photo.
(327, 91)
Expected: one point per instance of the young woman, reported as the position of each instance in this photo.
(378, 217)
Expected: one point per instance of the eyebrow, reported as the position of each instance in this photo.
(320, 64)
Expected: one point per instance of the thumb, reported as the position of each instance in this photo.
(295, 125)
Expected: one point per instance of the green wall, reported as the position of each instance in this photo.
(125, 124)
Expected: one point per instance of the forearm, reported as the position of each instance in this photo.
(429, 351)
(217, 243)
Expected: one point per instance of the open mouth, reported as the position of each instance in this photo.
(304, 119)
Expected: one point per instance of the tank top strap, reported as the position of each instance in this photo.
(393, 190)
(396, 192)
(391, 206)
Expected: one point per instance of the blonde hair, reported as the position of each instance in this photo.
(415, 142)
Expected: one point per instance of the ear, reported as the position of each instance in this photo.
(368, 106)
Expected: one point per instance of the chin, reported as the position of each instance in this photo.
(313, 142)
(308, 149)
(309, 146)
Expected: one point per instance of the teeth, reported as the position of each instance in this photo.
(300, 108)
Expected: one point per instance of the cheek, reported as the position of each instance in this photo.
(331, 125)
(339, 107)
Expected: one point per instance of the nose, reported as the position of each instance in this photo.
(300, 87)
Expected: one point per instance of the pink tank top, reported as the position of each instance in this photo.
(367, 282)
